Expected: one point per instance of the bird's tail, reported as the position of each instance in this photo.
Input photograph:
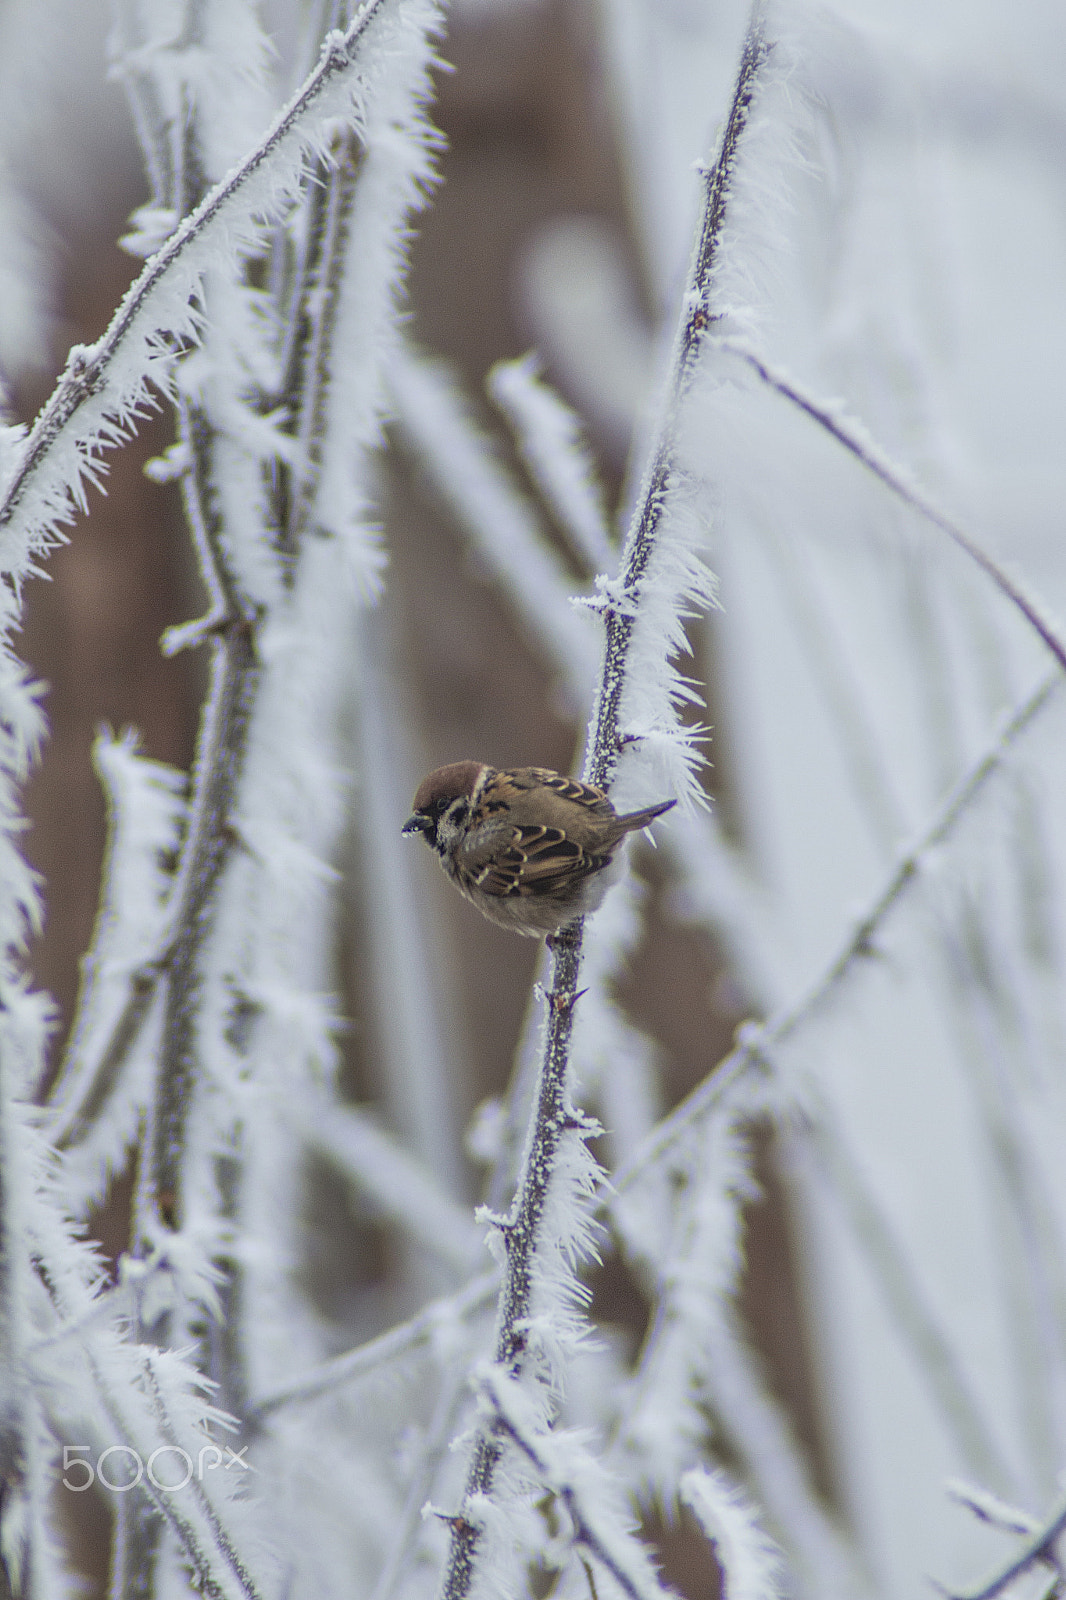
(640, 819)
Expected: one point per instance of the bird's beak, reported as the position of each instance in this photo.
(419, 823)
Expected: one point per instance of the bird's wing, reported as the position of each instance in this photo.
(585, 795)
(536, 861)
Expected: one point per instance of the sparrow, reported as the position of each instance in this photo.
(531, 849)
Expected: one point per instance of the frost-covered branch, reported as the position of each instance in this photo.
(761, 1433)
(106, 385)
(750, 1562)
(695, 1357)
(27, 1559)
(549, 440)
(310, 376)
(437, 1321)
(434, 421)
(555, 1126)
(1038, 1547)
(434, 1448)
(757, 1041)
(989, 1508)
(831, 416)
(141, 1429)
(122, 970)
(642, 595)
(212, 838)
(565, 1468)
(620, 601)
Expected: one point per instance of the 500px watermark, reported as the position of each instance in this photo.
(120, 1467)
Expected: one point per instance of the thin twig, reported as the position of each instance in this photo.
(397, 1342)
(585, 1532)
(211, 845)
(75, 1117)
(433, 1449)
(296, 322)
(465, 469)
(317, 348)
(975, 981)
(697, 318)
(1039, 1547)
(143, 100)
(206, 847)
(399, 1185)
(223, 1542)
(988, 1508)
(133, 1566)
(166, 1507)
(757, 1041)
(898, 479)
(521, 1231)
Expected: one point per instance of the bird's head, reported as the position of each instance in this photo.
(442, 804)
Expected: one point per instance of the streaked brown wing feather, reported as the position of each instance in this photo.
(582, 794)
(538, 861)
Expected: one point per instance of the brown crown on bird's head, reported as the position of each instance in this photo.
(438, 790)
(459, 777)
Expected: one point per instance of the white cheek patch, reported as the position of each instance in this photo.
(450, 825)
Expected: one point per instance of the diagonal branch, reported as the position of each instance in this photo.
(855, 440)
(220, 1571)
(426, 1325)
(38, 497)
(1040, 1546)
(758, 1040)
